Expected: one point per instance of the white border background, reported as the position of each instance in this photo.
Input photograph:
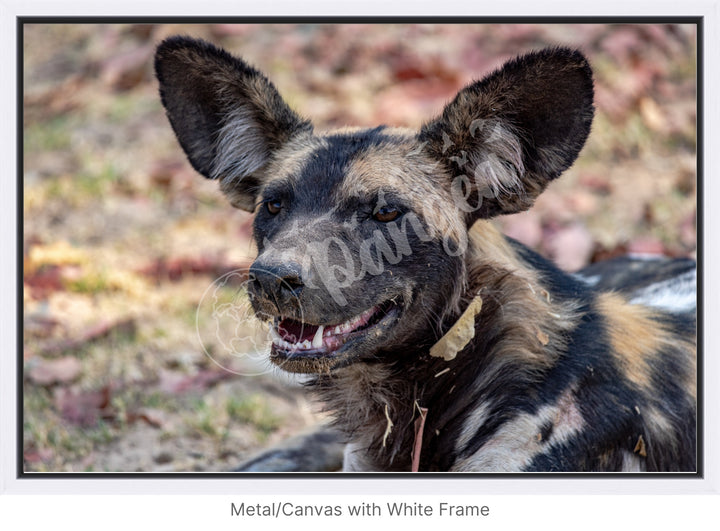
(632, 502)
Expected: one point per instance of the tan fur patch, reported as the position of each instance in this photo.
(490, 245)
(398, 166)
(635, 338)
(290, 159)
(522, 304)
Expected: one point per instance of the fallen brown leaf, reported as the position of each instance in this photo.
(172, 382)
(127, 70)
(84, 408)
(48, 372)
(154, 417)
(44, 281)
(175, 269)
(96, 332)
(640, 447)
(38, 455)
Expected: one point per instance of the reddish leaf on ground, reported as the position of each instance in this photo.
(44, 281)
(597, 183)
(154, 417)
(176, 268)
(48, 372)
(171, 382)
(99, 331)
(84, 408)
(126, 70)
(38, 455)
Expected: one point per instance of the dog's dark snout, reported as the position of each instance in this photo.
(279, 282)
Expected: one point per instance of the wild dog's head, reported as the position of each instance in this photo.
(362, 234)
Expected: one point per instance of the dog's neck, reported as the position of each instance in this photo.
(519, 331)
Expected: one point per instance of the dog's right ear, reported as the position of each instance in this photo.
(226, 115)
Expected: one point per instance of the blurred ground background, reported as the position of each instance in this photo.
(123, 241)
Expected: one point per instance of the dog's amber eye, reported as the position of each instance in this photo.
(386, 214)
(273, 206)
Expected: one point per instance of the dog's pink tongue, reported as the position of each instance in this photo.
(296, 332)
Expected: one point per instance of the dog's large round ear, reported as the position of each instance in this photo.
(226, 115)
(505, 137)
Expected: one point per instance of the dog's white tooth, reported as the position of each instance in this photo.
(317, 341)
(305, 344)
(337, 330)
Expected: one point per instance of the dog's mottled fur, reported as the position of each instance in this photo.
(594, 371)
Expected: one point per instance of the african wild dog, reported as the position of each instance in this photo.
(373, 244)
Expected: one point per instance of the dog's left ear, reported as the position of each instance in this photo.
(505, 137)
(227, 116)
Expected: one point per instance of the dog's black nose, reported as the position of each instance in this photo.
(280, 283)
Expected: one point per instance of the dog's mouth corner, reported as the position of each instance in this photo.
(304, 347)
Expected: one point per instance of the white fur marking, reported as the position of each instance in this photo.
(590, 280)
(476, 419)
(677, 294)
(631, 463)
(354, 460)
(517, 443)
(241, 148)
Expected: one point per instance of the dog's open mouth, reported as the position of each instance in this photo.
(295, 339)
